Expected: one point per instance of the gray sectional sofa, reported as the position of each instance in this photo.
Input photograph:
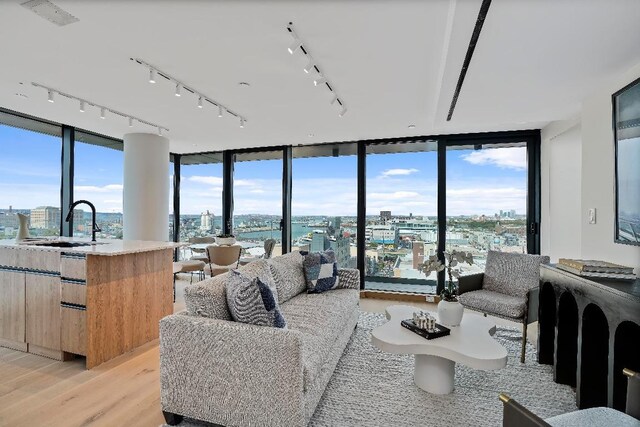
(217, 370)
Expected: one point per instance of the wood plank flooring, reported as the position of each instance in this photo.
(36, 391)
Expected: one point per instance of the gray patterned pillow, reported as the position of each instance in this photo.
(320, 271)
(251, 301)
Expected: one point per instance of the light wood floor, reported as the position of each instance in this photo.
(35, 391)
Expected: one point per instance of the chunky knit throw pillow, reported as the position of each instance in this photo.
(251, 301)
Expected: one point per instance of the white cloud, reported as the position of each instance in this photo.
(209, 180)
(396, 195)
(506, 158)
(97, 189)
(398, 172)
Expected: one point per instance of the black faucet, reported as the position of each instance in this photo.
(94, 227)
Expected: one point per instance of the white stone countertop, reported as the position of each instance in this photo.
(104, 247)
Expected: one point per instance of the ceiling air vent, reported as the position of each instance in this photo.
(49, 11)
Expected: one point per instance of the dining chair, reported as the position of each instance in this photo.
(223, 258)
(200, 254)
(268, 248)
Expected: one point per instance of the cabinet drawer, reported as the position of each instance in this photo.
(34, 259)
(73, 268)
(74, 329)
(74, 293)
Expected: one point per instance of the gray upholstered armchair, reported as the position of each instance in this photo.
(508, 289)
(516, 415)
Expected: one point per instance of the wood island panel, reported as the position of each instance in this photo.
(12, 306)
(42, 293)
(127, 295)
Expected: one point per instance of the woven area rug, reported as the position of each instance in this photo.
(373, 388)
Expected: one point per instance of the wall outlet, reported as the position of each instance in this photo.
(592, 215)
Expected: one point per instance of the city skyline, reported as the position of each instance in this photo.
(478, 182)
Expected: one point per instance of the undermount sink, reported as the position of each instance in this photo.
(64, 244)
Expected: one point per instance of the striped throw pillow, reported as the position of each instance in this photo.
(251, 301)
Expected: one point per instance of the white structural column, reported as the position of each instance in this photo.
(146, 187)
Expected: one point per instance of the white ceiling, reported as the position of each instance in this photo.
(393, 63)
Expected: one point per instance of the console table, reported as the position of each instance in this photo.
(589, 330)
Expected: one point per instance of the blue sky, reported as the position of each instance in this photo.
(478, 182)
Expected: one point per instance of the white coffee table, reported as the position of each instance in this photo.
(471, 344)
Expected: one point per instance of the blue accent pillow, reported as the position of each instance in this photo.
(320, 271)
(251, 301)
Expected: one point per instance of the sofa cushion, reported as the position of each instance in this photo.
(252, 301)
(511, 273)
(207, 298)
(320, 271)
(288, 275)
(494, 303)
(321, 319)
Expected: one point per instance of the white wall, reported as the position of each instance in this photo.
(578, 159)
(561, 190)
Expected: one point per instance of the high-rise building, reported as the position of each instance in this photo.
(343, 252)
(45, 217)
(418, 254)
(319, 242)
(206, 221)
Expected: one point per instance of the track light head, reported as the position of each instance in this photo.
(310, 66)
(334, 99)
(50, 95)
(294, 46)
(319, 81)
(343, 112)
(82, 106)
(200, 104)
(102, 113)
(130, 122)
(159, 131)
(178, 89)
(219, 110)
(152, 75)
(241, 123)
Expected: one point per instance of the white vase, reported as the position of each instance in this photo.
(450, 313)
(23, 227)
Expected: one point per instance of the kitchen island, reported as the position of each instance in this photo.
(66, 296)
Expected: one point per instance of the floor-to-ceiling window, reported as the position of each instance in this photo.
(401, 215)
(324, 200)
(486, 200)
(30, 174)
(98, 177)
(257, 198)
(200, 195)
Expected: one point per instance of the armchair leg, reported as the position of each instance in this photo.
(171, 418)
(524, 341)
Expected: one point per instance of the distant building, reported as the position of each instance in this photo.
(319, 242)
(45, 217)
(383, 234)
(337, 224)
(206, 221)
(385, 215)
(418, 254)
(341, 247)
